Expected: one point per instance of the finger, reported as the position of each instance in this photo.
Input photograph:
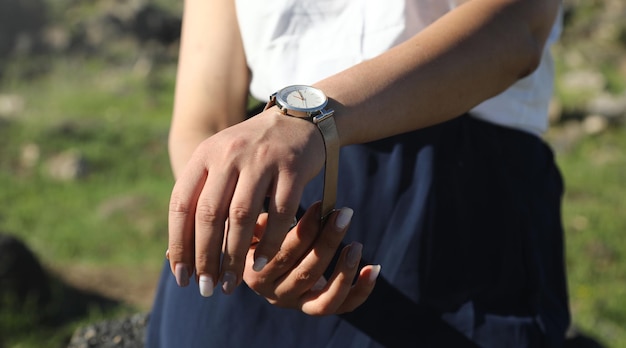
(282, 208)
(296, 244)
(361, 290)
(259, 229)
(182, 209)
(245, 206)
(313, 265)
(210, 218)
(329, 299)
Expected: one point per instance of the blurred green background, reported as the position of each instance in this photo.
(86, 91)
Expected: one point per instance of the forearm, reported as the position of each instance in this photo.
(471, 54)
(212, 78)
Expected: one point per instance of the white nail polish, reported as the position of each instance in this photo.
(344, 217)
(206, 285)
(374, 274)
(259, 263)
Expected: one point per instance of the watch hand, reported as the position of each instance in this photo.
(303, 99)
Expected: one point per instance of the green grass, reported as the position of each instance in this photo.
(115, 216)
(594, 216)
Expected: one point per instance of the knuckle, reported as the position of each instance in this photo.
(283, 211)
(284, 214)
(233, 261)
(207, 214)
(176, 250)
(302, 275)
(178, 206)
(283, 259)
(236, 144)
(202, 260)
(240, 215)
(256, 282)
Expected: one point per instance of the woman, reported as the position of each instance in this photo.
(438, 108)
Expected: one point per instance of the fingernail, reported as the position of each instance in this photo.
(206, 285)
(229, 281)
(344, 217)
(167, 254)
(319, 284)
(354, 254)
(181, 274)
(259, 263)
(374, 273)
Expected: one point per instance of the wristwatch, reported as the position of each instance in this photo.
(308, 103)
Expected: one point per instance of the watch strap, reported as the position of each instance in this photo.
(328, 128)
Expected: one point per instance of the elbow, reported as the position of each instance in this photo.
(532, 58)
(540, 16)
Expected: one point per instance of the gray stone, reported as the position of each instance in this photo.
(127, 332)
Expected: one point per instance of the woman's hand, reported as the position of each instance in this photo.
(217, 198)
(294, 277)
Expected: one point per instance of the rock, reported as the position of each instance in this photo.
(127, 332)
(611, 106)
(66, 166)
(566, 136)
(595, 124)
(586, 82)
(555, 111)
(29, 156)
(22, 278)
(11, 105)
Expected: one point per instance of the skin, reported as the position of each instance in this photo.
(294, 278)
(225, 166)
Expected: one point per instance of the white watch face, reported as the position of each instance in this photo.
(302, 98)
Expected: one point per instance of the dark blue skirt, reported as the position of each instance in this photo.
(464, 218)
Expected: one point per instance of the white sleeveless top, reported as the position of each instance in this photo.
(303, 41)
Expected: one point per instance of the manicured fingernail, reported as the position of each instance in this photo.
(319, 284)
(344, 217)
(181, 274)
(259, 263)
(205, 283)
(354, 254)
(229, 281)
(374, 273)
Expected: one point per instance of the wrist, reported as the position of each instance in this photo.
(310, 104)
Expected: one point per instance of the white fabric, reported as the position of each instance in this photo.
(303, 41)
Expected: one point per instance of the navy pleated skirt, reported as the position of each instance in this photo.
(464, 218)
